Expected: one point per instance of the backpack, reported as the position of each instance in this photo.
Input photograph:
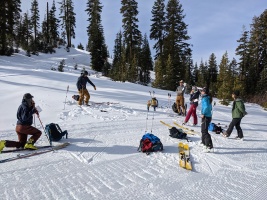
(214, 128)
(54, 132)
(154, 102)
(177, 133)
(150, 143)
(76, 97)
(174, 108)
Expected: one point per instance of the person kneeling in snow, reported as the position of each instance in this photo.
(81, 86)
(25, 119)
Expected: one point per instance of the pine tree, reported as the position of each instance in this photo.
(157, 26)
(35, 17)
(80, 46)
(244, 56)
(175, 43)
(117, 53)
(212, 73)
(159, 81)
(53, 25)
(68, 19)
(96, 40)
(146, 63)
(131, 33)
(9, 15)
(225, 79)
(27, 32)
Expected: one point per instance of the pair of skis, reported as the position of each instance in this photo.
(41, 150)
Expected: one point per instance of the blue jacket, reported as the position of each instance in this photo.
(206, 106)
(25, 114)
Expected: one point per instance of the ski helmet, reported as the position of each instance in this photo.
(85, 73)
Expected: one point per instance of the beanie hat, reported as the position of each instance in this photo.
(236, 92)
(27, 96)
(206, 90)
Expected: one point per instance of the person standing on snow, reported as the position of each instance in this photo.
(25, 119)
(206, 118)
(238, 112)
(180, 98)
(194, 96)
(81, 86)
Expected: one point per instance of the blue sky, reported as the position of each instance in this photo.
(213, 25)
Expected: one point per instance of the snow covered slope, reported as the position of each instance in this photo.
(102, 161)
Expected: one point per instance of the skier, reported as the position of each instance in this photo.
(180, 98)
(194, 96)
(238, 112)
(206, 115)
(25, 119)
(81, 86)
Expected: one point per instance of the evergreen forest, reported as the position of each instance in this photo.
(132, 58)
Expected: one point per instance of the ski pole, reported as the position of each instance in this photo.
(146, 120)
(50, 142)
(152, 121)
(66, 96)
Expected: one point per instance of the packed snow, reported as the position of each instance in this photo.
(102, 161)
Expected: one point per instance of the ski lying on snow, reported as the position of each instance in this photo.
(16, 150)
(190, 132)
(187, 130)
(35, 152)
(184, 156)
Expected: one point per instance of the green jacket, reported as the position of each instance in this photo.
(238, 110)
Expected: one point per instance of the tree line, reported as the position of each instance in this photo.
(132, 60)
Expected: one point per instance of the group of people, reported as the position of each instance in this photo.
(238, 112)
(27, 109)
(26, 113)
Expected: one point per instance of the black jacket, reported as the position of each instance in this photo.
(81, 83)
(25, 114)
(193, 97)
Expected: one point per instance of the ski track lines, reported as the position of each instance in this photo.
(101, 164)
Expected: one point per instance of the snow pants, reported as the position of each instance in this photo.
(206, 138)
(235, 123)
(23, 131)
(180, 103)
(192, 111)
(84, 95)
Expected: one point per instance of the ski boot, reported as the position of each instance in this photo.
(2, 145)
(29, 145)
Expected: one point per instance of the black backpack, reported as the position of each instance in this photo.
(177, 133)
(174, 108)
(54, 132)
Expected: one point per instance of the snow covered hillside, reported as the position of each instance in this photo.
(102, 161)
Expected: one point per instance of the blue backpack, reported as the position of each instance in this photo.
(214, 128)
(54, 132)
(150, 143)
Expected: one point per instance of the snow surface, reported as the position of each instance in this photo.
(102, 161)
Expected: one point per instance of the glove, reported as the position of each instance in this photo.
(95, 88)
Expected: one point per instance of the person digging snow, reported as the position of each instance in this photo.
(81, 86)
(24, 126)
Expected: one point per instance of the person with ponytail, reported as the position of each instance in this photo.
(206, 116)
